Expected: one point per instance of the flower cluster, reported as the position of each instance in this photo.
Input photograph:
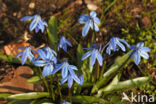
(47, 59)
(37, 23)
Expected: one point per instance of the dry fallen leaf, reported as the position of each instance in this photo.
(12, 49)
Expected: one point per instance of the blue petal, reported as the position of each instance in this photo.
(33, 25)
(121, 46)
(93, 58)
(64, 80)
(124, 41)
(19, 54)
(132, 47)
(64, 47)
(113, 44)
(64, 71)
(146, 49)
(144, 54)
(42, 54)
(24, 56)
(93, 14)
(47, 70)
(86, 55)
(99, 58)
(83, 18)
(39, 63)
(74, 76)
(57, 68)
(85, 29)
(68, 43)
(140, 44)
(108, 50)
(70, 81)
(26, 18)
(37, 29)
(137, 58)
(96, 20)
(81, 79)
(94, 26)
(73, 67)
(31, 56)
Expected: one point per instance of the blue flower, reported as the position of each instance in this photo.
(26, 54)
(67, 73)
(48, 61)
(95, 54)
(114, 44)
(37, 23)
(63, 44)
(89, 21)
(138, 51)
(65, 102)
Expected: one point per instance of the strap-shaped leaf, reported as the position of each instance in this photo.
(88, 100)
(111, 72)
(123, 85)
(52, 31)
(31, 95)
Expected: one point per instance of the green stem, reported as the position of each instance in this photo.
(70, 95)
(44, 80)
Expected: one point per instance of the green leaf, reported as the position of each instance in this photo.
(31, 95)
(41, 101)
(52, 32)
(4, 95)
(35, 80)
(123, 85)
(13, 59)
(79, 54)
(88, 100)
(116, 67)
(19, 102)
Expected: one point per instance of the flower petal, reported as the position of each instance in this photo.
(64, 71)
(33, 25)
(96, 20)
(93, 58)
(93, 14)
(74, 76)
(73, 67)
(121, 46)
(146, 49)
(140, 44)
(64, 80)
(70, 81)
(100, 59)
(85, 29)
(137, 58)
(47, 70)
(42, 54)
(39, 63)
(83, 18)
(26, 18)
(86, 55)
(144, 54)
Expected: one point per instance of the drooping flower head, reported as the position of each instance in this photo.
(37, 23)
(89, 21)
(115, 44)
(48, 61)
(63, 44)
(138, 51)
(27, 53)
(68, 73)
(94, 53)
